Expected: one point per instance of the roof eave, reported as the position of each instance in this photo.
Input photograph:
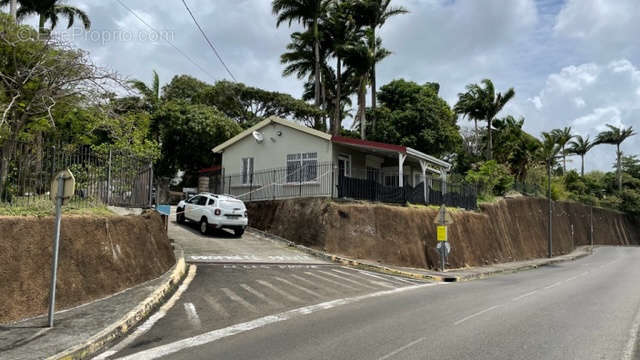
(423, 156)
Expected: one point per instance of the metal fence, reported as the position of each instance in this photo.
(327, 180)
(108, 178)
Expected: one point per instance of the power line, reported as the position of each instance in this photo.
(167, 40)
(208, 41)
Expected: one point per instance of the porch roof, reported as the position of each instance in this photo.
(383, 147)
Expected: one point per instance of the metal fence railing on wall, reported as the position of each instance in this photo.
(105, 177)
(329, 180)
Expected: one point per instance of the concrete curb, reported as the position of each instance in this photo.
(121, 327)
(415, 275)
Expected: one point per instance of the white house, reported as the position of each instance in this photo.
(278, 158)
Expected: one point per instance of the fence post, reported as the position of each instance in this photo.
(300, 181)
(150, 184)
(109, 180)
(273, 183)
(229, 187)
(332, 180)
(250, 185)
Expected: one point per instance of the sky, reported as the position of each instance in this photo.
(571, 62)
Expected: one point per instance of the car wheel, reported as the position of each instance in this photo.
(180, 216)
(204, 226)
(238, 232)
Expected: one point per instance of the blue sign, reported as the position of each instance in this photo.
(164, 209)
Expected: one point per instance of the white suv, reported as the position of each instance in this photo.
(214, 212)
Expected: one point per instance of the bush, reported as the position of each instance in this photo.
(630, 202)
(492, 178)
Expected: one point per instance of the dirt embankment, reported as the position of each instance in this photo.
(98, 257)
(510, 230)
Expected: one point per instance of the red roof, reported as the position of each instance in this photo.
(368, 144)
(210, 169)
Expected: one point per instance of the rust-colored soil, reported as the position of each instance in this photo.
(98, 257)
(510, 230)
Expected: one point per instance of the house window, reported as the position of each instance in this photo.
(344, 165)
(247, 170)
(302, 167)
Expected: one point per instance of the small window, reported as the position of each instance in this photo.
(193, 200)
(211, 202)
(302, 167)
(202, 201)
(247, 171)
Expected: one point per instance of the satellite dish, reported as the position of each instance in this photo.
(258, 136)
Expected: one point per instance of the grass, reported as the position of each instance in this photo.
(42, 206)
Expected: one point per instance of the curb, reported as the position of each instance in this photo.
(121, 327)
(408, 274)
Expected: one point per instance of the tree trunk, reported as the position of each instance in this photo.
(490, 147)
(6, 156)
(582, 169)
(362, 101)
(373, 77)
(337, 120)
(475, 137)
(564, 161)
(316, 50)
(41, 29)
(324, 106)
(13, 8)
(619, 170)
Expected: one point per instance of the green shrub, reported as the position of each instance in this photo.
(491, 177)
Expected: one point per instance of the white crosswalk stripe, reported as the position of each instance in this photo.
(235, 297)
(301, 288)
(382, 282)
(310, 282)
(386, 278)
(358, 283)
(279, 291)
(324, 278)
(216, 306)
(260, 295)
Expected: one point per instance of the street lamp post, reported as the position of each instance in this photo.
(550, 208)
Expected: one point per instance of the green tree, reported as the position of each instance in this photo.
(580, 146)
(491, 177)
(563, 136)
(189, 132)
(50, 10)
(616, 136)
(514, 147)
(307, 13)
(631, 165)
(414, 115)
(185, 88)
(150, 94)
(482, 102)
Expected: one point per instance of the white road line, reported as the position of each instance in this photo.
(524, 295)
(331, 281)
(399, 350)
(386, 278)
(554, 284)
(572, 278)
(628, 353)
(301, 288)
(260, 295)
(476, 314)
(213, 303)
(152, 319)
(281, 292)
(209, 337)
(377, 283)
(192, 315)
(307, 281)
(235, 297)
(346, 279)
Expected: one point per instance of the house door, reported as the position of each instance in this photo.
(344, 166)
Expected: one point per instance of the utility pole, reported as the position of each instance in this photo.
(13, 9)
(550, 209)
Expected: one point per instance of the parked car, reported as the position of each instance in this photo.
(212, 211)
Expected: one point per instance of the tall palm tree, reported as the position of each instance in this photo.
(616, 136)
(151, 95)
(359, 57)
(374, 14)
(482, 102)
(50, 10)
(563, 136)
(307, 13)
(580, 146)
(470, 105)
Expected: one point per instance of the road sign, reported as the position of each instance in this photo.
(442, 233)
(444, 246)
(443, 217)
(68, 187)
(164, 209)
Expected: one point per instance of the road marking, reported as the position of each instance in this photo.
(524, 295)
(307, 281)
(260, 295)
(347, 279)
(209, 337)
(385, 278)
(192, 315)
(235, 297)
(629, 350)
(331, 281)
(476, 314)
(554, 284)
(283, 293)
(152, 319)
(377, 283)
(216, 306)
(399, 350)
(572, 278)
(301, 288)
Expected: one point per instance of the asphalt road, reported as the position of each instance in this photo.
(587, 309)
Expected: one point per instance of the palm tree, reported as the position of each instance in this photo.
(470, 105)
(360, 58)
(483, 103)
(151, 95)
(563, 136)
(616, 136)
(580, 146)
(308, 13)
(50, 10)
(373, 14)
